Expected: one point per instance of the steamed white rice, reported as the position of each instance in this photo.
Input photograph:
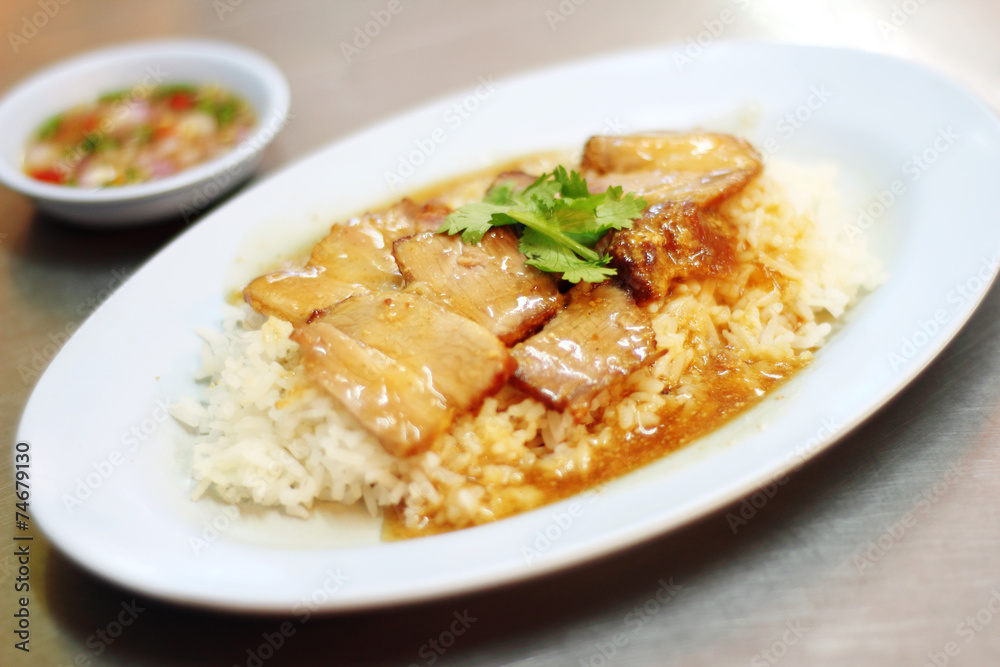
(266, 436)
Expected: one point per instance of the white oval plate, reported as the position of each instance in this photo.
(109, 485)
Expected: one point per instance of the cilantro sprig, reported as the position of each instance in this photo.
(559, 222)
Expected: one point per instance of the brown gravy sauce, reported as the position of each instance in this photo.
(731, 389)
(730, 386)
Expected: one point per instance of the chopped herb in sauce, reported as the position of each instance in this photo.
(137, 135)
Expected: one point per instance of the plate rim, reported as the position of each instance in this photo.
(651, 528)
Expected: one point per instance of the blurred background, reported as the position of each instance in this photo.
(797, 585)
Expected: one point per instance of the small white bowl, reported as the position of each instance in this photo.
(82, 79)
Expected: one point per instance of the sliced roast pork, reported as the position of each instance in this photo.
(350, 260)
(670, 241)
(395, 403)
(405, 218)
(598, 339)
(704, 168)
(402, 365)
(488, 282)
(355, 257)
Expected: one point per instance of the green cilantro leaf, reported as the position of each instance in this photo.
(559, 221)
(546, 254)
(501, 194)
(472, 220)
(617, 207)
(573, 185)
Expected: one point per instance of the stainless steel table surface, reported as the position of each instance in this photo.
(822, 575)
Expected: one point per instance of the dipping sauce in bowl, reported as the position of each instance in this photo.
(142, 132)
(137, 135)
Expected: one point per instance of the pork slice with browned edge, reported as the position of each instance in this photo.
(487, 282)
(402, 365)
(705, 168)
(671, 241)
(355, 257)
(599, 339)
